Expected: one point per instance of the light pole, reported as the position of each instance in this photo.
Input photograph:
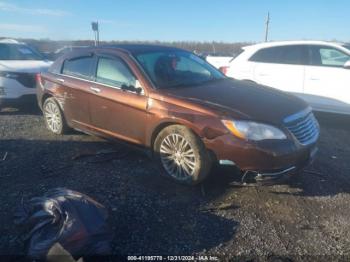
(267, 26)
(95, 29)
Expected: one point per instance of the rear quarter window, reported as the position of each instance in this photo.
(81, 67)
(55, 68)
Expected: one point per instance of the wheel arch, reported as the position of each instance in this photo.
(49, 95)
(165, 124)
(157, 130)
(44, 97)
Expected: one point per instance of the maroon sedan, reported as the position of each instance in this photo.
(182, 109)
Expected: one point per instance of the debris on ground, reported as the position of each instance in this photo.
(101, 155)
(220, 206)
(71, 219)
(4, 157)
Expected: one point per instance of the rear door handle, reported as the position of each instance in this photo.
(314, 78)
(95, 89)
(61, 80)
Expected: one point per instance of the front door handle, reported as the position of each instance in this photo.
(95, 89)
(61, 80)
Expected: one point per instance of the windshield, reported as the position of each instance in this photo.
(18, 52)
(175, 68)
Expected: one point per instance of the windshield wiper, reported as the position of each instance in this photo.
(196, 83)
(181, 84)
(213, 79)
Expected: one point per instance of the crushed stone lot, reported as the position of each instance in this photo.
(308, 215)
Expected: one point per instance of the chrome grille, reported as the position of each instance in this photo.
(303, 126)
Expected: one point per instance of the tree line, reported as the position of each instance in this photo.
(47, 46)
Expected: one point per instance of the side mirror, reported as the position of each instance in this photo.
(138, 90)
(131, 88)
(347, 64)
(138, 87)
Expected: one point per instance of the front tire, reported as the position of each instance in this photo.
(181, 155)
(54, 118)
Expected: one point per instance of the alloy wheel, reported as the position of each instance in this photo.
(177, 156)
(53, 117)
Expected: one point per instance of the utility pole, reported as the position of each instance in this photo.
(212, 44)
(267, 26)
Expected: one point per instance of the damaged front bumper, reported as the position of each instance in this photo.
(264, 160)
(262, 176)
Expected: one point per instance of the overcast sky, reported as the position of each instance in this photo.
(225, 20)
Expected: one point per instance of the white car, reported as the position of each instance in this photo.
(219, 61)
(316, 71)
(18, 66)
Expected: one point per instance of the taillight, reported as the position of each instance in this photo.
(38, 78)
(224, 69)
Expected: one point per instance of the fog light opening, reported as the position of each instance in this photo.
(226, 162)
(249, 177)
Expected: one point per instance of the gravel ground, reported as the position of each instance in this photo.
(306, 217)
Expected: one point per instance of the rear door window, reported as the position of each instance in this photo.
(81, 67)
(292, 55)
(114, 72)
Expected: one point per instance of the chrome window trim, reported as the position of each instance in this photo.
(95, 82)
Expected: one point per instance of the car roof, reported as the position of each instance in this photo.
(67, 49)
(10, 41)
(294, 42)
(138, 48)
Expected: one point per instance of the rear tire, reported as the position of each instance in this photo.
(54, 118)
(181, 155)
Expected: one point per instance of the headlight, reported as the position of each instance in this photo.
(253, 131)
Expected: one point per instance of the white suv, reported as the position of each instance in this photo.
(317, 71)
(18, 65)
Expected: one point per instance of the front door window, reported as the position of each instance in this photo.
(114, 72)
(327, 56)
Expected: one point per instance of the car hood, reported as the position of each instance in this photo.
(241, 99)
(24, 66)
